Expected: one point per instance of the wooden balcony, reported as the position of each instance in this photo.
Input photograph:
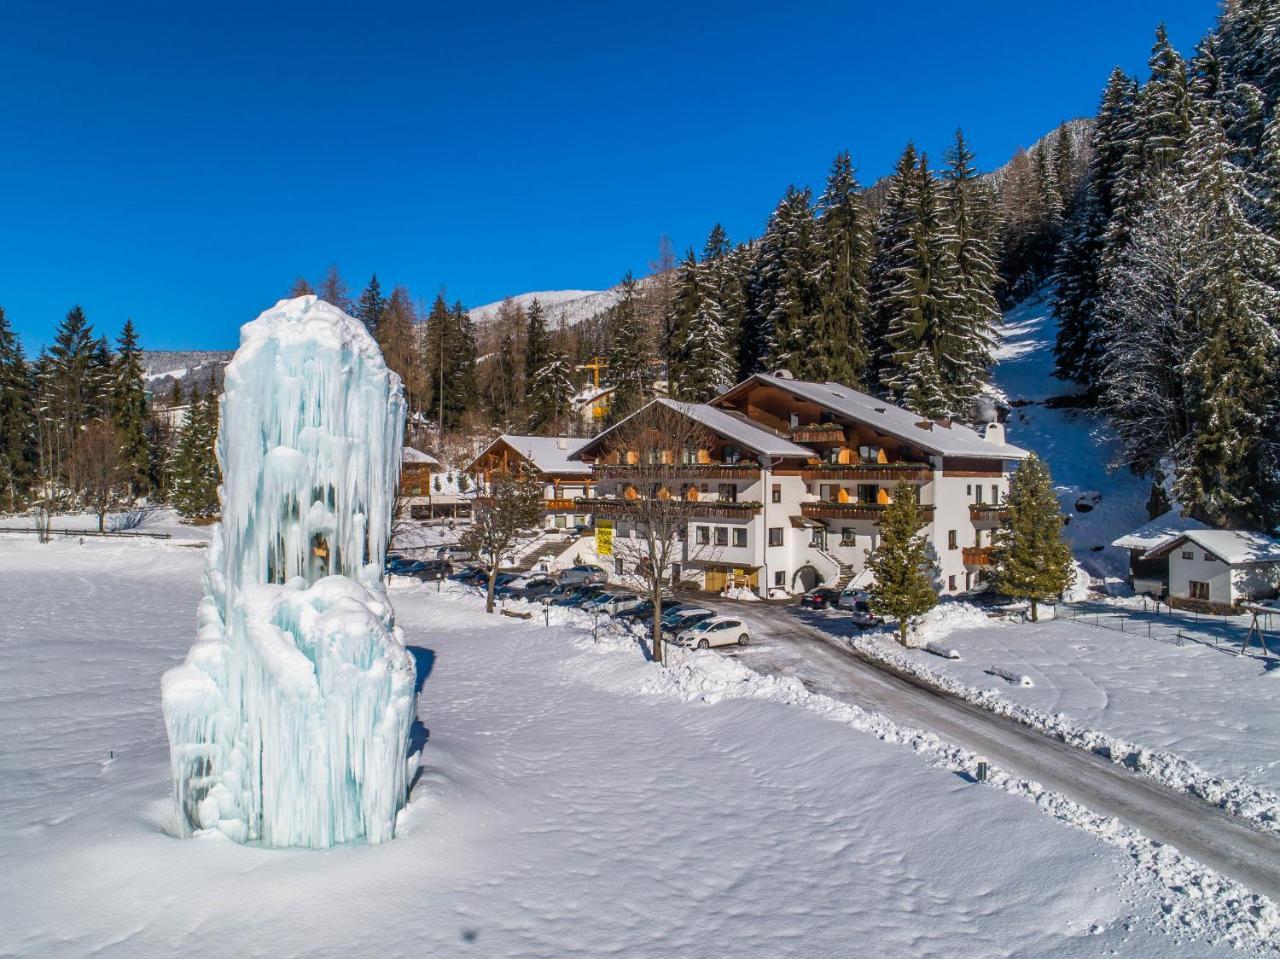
(868, 472)
(645, 471)
(978, 556)
(818, 434)
(561, 505)
(825, 509)
(611, 508)
(988, 514)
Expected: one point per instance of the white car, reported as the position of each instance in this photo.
(454, 554)
(620, 602)
(716, 631)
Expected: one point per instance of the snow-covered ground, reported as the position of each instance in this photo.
(574, 801)
(1072, 442)
(1195, 717)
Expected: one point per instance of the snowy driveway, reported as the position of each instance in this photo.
(784, 645)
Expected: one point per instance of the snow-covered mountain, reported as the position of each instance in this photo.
(198, 368)
(573, 306)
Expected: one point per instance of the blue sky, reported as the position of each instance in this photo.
(182, 163)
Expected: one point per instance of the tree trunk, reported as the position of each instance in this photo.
(657, 625)
(1034, 612)
(488, 599)
(102, 521)
(902, 631)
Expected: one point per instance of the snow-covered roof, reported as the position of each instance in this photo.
(725, 424)
(410, 455)
(1233, 546)
(1161, 530)
(953, 440)
(548, 454)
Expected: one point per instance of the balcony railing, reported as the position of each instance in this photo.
(606, 508)
(826, 509)
(561, 505)
(978, 555)
(741, 470)
(819, 433)
(988, 513)
(890, 472)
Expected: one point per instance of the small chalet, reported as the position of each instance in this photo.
(545, 458)
(1149, 568)
(1222, 567)
(416, 470)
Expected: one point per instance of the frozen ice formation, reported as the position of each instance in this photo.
(289, 720)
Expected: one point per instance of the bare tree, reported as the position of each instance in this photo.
(651, 537)
(401, 520)
(512, 506)
(104, 474)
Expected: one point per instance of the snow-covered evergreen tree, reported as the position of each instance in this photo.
(370, 306)
(840, 348)
(129, 409)
(630, 370)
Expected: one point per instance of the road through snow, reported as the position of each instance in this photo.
(784, 646)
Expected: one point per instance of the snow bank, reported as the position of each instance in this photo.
(289, 720)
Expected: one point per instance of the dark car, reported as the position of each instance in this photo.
(430, 570)
(533, 587)
(471, 575)
(821, 598)
(643, 610)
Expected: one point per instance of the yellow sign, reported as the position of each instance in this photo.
(604, 537)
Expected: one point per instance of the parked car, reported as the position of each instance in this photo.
(824, 597)
(684, 619)
(587, 594)
(582, 529)
(850, 598)
(455, 554)
(642, 610)
(587, 573)
(431, 570)
(862, 616)
(528, 587)
(615, 603)
(716, 631)
(673, 611)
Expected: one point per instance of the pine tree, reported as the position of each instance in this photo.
(16, 418)
(398, 338)
(919, 296)
(129, 409)
(788, 297)
(450, 356)
(686, 299)
(1227, 461)
(551, 393)
(73, 388)
(371, 305)
(537, 342)
(629, 366)
(844, 230)
(194, 472)
(904, 573)
(1032, 560)
(967, 337)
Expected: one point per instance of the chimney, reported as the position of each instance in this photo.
(926, 425)
(562, 443)
(994, 433)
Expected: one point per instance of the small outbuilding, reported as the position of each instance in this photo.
(1221, 566)
(1148, 572)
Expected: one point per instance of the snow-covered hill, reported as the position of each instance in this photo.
(573, 306)
(1102, 503)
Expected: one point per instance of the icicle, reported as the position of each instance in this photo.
(289, 721)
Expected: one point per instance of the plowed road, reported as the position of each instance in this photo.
(782, 645)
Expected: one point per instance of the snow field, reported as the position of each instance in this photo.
(574, 800)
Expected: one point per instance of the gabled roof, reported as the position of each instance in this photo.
(1159, 531)
(1237, 547)
(725, 424)
(954, 440)
(410, 455)
(548, 454)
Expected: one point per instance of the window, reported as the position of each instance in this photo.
(722, 536)
(580, 520)
(561, 521)
(1209, 558)
(1187, 554)
(1199, 590)
(775, 494)
(731, 454)
(775, 535)
(795, 420)
(702, 535)
(978, 493)
(728, 492)
(740, 536)
(868, 492)
(848, 537)
(951, 583)
(951, 543)
(995, 494)
(968, 489)
(780, 578)
(816, 538)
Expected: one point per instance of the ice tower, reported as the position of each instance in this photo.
(289, 720)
